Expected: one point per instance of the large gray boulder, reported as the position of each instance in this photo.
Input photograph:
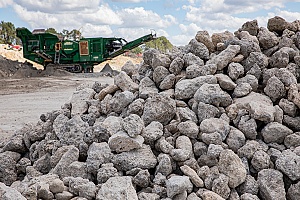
(275, 132)
(266, 38)
(123, 81)
(185, 89)
(8, 193)
(212, 94)
(159, 108)
(289, 164)
(199, 49)
(271, 186)
(117, 188)
(97, 154)
(141, 158)
(260, 107)
(8, 171)
(225, 57)
(177, 185)
(232, 166)
(121, 142)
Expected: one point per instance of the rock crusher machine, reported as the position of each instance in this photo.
(51, 50)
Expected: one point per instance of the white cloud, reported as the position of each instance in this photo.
(4, 3)
(57, 6)
(139, 17)
(180, 40)
(103, 15)
(133, 33)
(128, 1)
(90, 30)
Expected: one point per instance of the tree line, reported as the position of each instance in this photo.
(8, 36)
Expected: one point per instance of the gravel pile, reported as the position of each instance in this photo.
(216, 119)
(16, 69)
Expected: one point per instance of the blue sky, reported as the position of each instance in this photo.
(178, 20)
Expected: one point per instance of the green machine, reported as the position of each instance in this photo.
(73, 55)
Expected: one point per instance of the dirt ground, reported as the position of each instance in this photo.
(24, 100)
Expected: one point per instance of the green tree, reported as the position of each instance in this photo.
(162, 44)
(73, 35)
(51, 30)
(137, 50)
(7, 32)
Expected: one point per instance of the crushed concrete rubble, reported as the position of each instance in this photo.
(215, 119)
(16, 69)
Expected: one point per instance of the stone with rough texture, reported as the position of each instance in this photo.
(123, 81)
(209, 195)
(242, 89)
(266, 38)
(152, 132)
(293, 140)
(8, 193)
(225, 82)
(294, 191)
(204, 37)
(117, 188)
(231, 165)
(105, 172)
(248, 196)
(98, 154)
(275, 132)
(141, 158)
(188, 128)
(121, 100)
(160, 60)
(159, 74)
(147, 88)
(176, 66)
(289, 164)
(288, 107)
(8, 172)
(199, 49)
(148, 196)
(271, 186)
(235, 139)
(224, 58)
(220, 186)
(185, 89)
(249, 149)
(206, 111)
(133, 125)
(250, 186)
(178, 184)
(275, 88)
(121, 142)
(190, 59)
(62, 167)
(212, 94)
(235, 70)
(260, 160)
(130, 68)
(196, 180)
(213, 125)
(159, 108)
(277, 24)
(168, 82)
(56, 186)
(164, 166)
(251, 27)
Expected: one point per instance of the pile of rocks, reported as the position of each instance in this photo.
(216, 119)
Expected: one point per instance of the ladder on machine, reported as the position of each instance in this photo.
(57, 53)
(56, 57)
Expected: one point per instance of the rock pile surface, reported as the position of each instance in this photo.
(216, 119)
